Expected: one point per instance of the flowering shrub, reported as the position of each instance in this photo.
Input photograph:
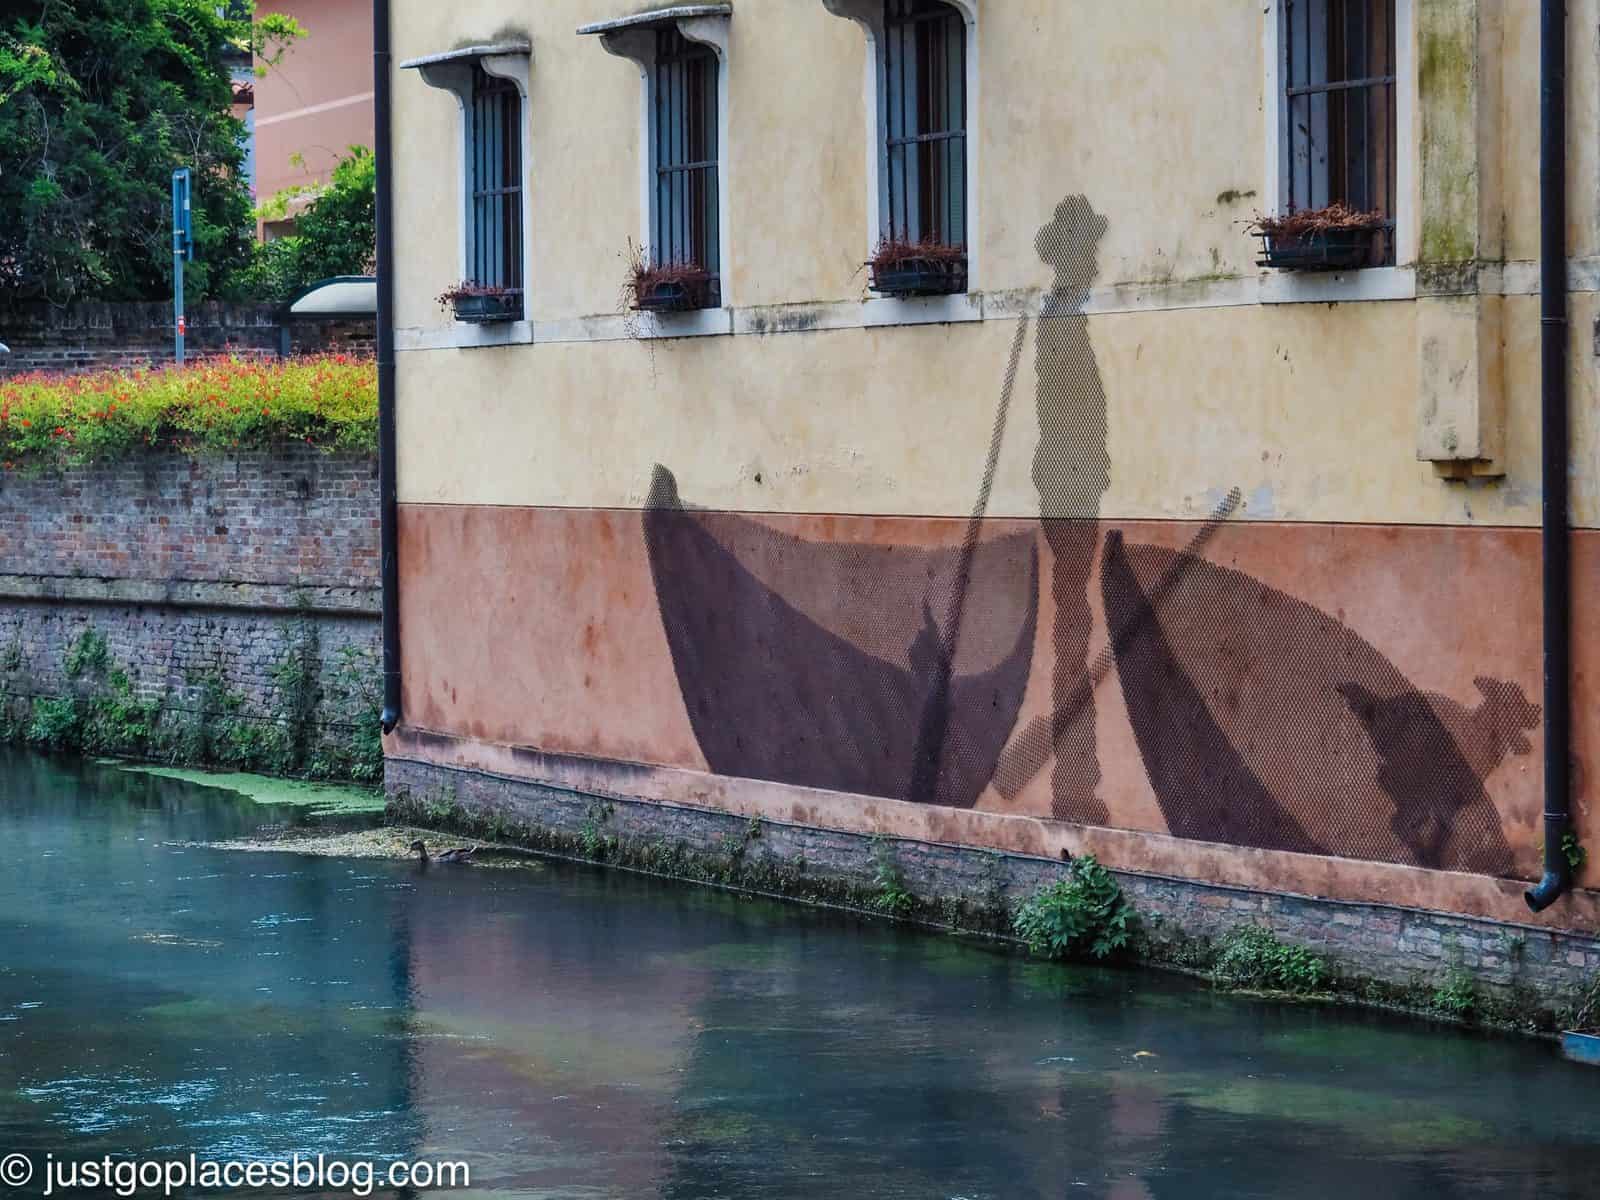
(212, 406)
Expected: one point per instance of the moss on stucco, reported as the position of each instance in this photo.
(1447, 65)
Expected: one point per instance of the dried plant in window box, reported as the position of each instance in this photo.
(480, 303)
(904, 268)
(1335, 238)
(668, 287)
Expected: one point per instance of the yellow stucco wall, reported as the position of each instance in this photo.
(1307, 409)
(1154, 111)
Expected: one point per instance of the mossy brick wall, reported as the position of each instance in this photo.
(253, 576)
(94, 336)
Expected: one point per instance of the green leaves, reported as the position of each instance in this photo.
(99, 101)
(1083, 915)
(335, 235)
(1252, 959)
(211, 406)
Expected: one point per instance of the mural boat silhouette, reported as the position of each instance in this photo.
(818, 663)
(1264, 721)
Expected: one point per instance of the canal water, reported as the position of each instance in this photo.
(575, 1033)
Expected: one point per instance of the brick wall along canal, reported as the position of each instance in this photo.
(570, 1032)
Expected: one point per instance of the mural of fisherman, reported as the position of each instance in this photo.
(1071, 470)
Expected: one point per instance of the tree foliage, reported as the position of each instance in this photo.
(100, 100)
(334, 235)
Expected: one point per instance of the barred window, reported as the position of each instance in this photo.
(494, 163)
(925, 80)
(1339, 108)
(686, 222)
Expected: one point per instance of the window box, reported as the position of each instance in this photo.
(920, 277)
(477, 305)
(1325, 239)
(922, 269)
(678, 296)
(1330, 250)
(670, 287)
(481, 310)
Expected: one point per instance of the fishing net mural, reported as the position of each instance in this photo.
(900, 670)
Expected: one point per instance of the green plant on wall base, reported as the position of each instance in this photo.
(1251, 959)
(104, 716)
(352, 698)
(118, 720)
(88, 654)
(1083, 915)
(1455, 997)
(55, 724)
(890, 894)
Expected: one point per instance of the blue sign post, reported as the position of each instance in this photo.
(182, 251)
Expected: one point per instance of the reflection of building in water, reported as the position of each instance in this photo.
(783, 622)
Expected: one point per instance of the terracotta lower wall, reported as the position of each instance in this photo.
(1340, 710)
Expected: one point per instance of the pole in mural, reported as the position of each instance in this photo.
(182, 251)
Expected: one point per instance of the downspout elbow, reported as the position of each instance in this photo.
(1550, 888)
(1557, 870)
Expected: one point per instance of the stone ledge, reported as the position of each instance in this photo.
(192, 593)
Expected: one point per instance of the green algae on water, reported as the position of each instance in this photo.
(318, 799)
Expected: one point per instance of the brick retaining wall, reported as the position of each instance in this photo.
(205, 577)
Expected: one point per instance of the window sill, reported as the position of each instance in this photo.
(470, 335)
(1314, 287)
(921, 310)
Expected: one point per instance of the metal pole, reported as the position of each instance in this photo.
(182, 249)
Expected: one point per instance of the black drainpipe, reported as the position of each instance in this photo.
(384, 204)
(1553, 409)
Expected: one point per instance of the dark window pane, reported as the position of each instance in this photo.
(686, 227)
(495, 160)
(925, 81)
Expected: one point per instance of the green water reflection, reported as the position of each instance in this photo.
(573, 1033)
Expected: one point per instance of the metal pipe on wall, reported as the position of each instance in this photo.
(1555, 540)
(388, 533)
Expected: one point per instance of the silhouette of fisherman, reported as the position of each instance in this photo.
(1071, 470)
